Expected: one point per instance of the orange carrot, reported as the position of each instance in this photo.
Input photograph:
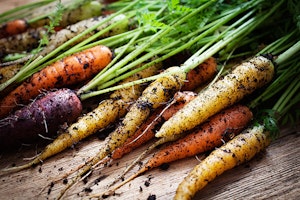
(68, 71)
(201, 74)
(218, 129)
(13, 27)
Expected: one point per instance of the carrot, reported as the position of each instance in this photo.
(239, 150)
(147, 130)
(218, 129)
(157, 93)
(243, 80)
(72, 30)
(154, 96)
(107, 112)
(13, 27)
(68, 71)
(201, 74)
(41, 117)
(73, 11)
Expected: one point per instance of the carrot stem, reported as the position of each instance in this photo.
(286, 96)
(110, 68)
(287, 54)
(104, 81)
(243, 29)
(278, 45)
(154, 38)
(197, 59)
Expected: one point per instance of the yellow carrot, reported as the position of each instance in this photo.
(228, 90)
(237, 151)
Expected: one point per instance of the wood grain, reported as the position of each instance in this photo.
(273, 174)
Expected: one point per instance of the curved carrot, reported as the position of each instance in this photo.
(13, 27)
(68, 71)
(218, 129)
(240, 149)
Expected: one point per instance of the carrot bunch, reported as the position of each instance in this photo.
(142, 105)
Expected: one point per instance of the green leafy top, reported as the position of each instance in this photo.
(53, 22)
(149, 20)
(294, 9)
(176, 7)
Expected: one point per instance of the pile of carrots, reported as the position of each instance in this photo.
(192, 106)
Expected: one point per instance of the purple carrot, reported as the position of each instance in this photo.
(43, 116)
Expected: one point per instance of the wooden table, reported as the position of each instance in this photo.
(273, 174)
